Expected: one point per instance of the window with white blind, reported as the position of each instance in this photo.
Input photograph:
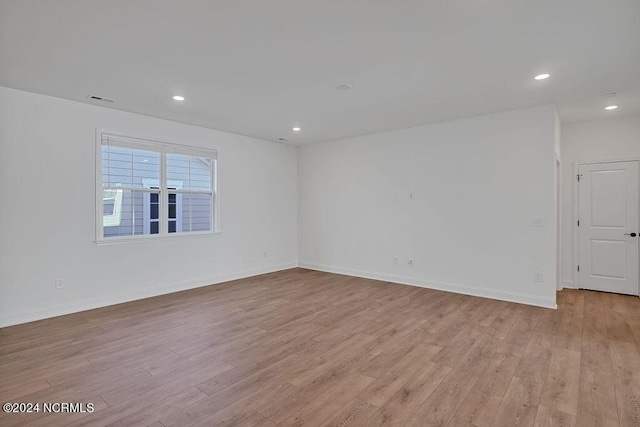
(150, 189)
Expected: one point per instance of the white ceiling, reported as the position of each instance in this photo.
(258, 67)
(592, 108)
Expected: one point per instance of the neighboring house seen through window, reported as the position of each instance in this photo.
(152, 188)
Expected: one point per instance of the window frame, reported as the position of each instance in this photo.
(163, 148)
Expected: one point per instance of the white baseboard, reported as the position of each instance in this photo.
(568, 284)
(442, 286)
(74, 307)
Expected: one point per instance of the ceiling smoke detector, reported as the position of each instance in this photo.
(345, 86)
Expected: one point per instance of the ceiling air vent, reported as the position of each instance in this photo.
(99, 98)
(283, 139)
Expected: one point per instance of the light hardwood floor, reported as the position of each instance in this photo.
(305, 348)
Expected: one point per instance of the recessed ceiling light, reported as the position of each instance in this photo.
(610, 104)
(297, 129)
(345, 86)
(178, 98)
(542, 76)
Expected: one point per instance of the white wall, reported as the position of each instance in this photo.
(598, 140)
(557, 176)
(477, 182)
(47, 213)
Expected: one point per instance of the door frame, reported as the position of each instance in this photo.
(576, 211)
(558, 222)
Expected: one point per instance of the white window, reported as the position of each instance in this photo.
(149, 189)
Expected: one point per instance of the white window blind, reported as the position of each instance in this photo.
(154, 188)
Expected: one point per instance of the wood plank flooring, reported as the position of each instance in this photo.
(305, 348)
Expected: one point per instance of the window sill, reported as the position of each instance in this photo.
(152, 238)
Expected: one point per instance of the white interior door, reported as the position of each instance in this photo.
(608, 228)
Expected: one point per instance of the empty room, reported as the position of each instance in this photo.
(319, 213)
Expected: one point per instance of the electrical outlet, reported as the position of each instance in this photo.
(412, 196)
(536, 221)
(396, 196)
(395, 260)
(410, 263)
(537, 276)
(59, 283)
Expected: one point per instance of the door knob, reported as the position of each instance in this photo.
(630, 234)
